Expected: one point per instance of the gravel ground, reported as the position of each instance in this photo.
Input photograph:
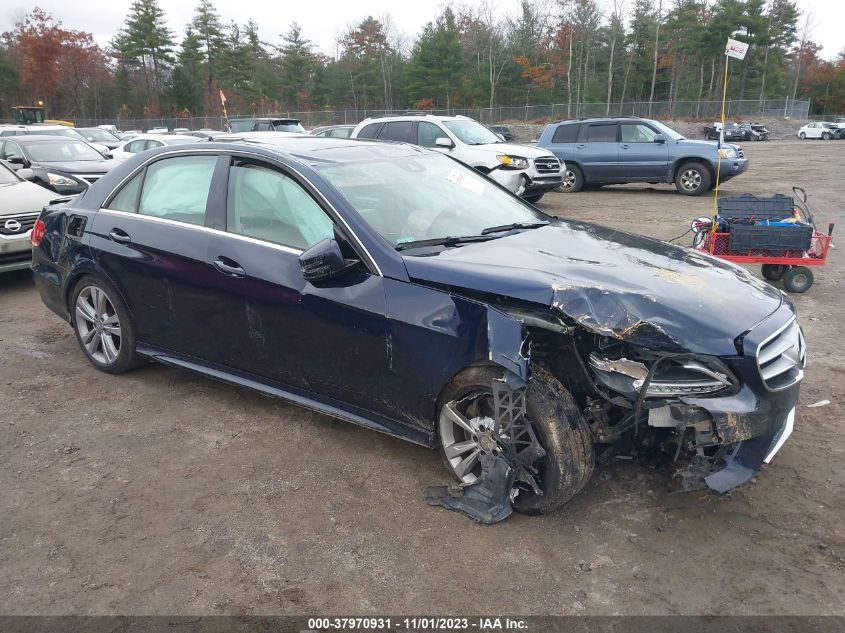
(160, 492)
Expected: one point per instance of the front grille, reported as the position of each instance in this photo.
(90, 178)
(782, 356)
(547, 165)
(739, 152)
(17, 224)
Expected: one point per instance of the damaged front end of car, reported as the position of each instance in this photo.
(714, 419)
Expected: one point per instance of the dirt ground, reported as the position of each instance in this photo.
(160, 492)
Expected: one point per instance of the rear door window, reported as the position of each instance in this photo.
(369, 131)
(127, 198)
(566, 133)
(602, 133)
(177, 188)
(402, 131)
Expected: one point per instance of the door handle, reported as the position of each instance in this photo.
(120, 236)
(580, 145)
(229, 267)
(625, 146)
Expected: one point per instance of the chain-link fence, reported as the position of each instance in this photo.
(697, 110)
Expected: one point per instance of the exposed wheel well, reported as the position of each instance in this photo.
(691, 159)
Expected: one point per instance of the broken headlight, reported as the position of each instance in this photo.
(671, 377)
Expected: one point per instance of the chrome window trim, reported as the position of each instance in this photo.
(802, 353)
(371, 262)
(207, 229)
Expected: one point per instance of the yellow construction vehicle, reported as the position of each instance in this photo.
(32, 115)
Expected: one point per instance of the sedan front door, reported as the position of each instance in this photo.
(327, 338)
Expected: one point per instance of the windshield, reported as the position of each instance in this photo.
(288, 126)
(7, 176)
(471, 132)
(425, 197)
(181, 140)
(62, 151)
(96, 134)
(667, 131)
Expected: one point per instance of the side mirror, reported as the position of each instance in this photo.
(324, 261)
(659, 138)
(16, 160)
(444, 142)
(800, 194)
(26, 173)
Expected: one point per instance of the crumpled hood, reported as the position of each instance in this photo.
(24, 197)
(634, 288)
(513, 149)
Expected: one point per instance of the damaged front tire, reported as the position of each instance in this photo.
(561, 432)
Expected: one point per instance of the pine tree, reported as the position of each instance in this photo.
(434, 70)
(150, 43)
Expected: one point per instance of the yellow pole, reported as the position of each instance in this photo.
(719, 162)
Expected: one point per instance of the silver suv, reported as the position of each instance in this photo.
(527, 171)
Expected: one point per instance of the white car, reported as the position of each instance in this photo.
(527, 171)
(817, 129)
(142, 142)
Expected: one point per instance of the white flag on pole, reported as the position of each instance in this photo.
(735, 48)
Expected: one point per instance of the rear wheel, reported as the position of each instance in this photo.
(798, 279)
(826, 136)
(692, 179)
(774, 272)
(103, 327)
(560, 429)
(573, 180)
(802, 136)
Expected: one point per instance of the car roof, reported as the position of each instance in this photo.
(154, 137)
(28, 139)
(321, 149)
(602, 119)
(266, 118)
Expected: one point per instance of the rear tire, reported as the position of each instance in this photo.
(692, 179)
(798, 279)
(561, 431)
(103, 327)
(774, 272)
(573, 180)
(802, 136)
(826, 136)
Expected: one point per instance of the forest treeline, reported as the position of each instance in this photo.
(551, 51)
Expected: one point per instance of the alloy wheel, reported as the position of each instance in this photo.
(568, 180)
(691, 179)
(98, 325)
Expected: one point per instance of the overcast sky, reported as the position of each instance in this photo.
(324, 20)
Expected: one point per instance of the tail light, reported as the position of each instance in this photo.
(38, 232)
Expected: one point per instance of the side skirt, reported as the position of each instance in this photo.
(309, 400)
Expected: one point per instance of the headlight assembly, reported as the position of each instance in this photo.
(57, 180)
(727, 152)
(512, 162)
(673, 377)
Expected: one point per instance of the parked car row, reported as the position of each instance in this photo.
(736, 132)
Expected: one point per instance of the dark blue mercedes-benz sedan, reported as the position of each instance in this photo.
(396, 288)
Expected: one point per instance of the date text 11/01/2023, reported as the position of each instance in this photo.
(423, 623)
